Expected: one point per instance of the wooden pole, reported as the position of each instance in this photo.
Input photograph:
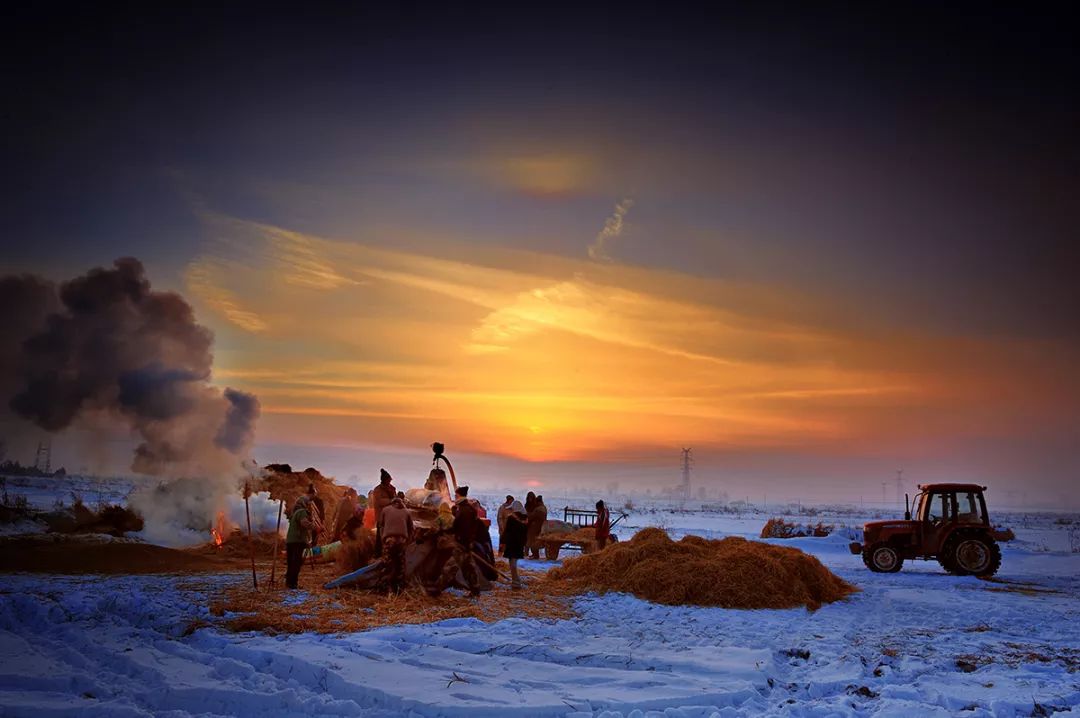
(277, 536)
(251, 539)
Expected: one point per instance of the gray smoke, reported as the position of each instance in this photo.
(106, 342)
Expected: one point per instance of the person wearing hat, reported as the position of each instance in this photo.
(500, 518)
(396, 528)
(297, 539)
(514, 538)
(379, 498)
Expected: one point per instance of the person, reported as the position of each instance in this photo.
(379, 499)
(500, 517)
(537, 517)
(346, 510)
(515, 536)
(297, 539)
(317, 510)
(530, 502)
(603, 524)
(396, 527)
(383, 494)
(465, 528)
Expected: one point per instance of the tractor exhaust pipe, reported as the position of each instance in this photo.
(907, 508)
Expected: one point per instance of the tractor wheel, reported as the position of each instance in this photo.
(972, 555)
(945, 559)
(882, 558)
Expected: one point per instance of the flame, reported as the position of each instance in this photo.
(217, 531)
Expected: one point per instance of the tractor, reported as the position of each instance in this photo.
(950, 524)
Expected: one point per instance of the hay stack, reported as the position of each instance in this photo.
(731, 573)
(779, 528)
(356, 553)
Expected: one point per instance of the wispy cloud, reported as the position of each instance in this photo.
(600, 249)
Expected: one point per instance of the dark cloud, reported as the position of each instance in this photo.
(105, 341)
(238, 431)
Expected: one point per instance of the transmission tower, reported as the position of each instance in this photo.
(43, 460)
(687, 462)
(899, 485)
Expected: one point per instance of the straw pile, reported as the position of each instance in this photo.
(356, 553)
(238, 545)
(779, 528)
(731, 573)
(239, 608)
(579, 536)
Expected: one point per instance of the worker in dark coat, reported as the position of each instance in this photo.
(603, 524)
(537, 516)
(514, 538)
(297, 539)
(465, 529)
(396, 527)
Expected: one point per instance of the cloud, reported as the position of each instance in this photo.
(515, 352)
(600, 249)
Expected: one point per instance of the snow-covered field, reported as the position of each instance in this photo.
(915, 643)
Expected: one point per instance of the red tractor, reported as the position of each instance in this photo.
(950, 524)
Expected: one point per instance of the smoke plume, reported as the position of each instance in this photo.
(105, 342)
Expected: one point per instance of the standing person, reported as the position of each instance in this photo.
(537, 517)
(500, 517)
(297, 539)
(379, 499)
(515, 535)
(465, 528)
(603, 524)
(346, 510)
(530, 501)
(318, 514)
(396, 526)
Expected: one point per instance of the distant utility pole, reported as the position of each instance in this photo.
(899, 485)
(687, 462)
(43, 460)
(884, 500)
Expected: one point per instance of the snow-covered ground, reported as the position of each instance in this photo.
(910, 644)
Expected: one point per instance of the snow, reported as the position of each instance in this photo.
(919, 642)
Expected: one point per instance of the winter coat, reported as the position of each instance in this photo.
(537, 517)
(603, 526)
(466, 524)
(299, 525)
(504, 511)
(515, 535)
(396, 521)
(381, 496)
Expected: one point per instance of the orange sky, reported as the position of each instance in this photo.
(543, 358)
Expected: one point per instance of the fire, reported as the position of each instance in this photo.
(217, 531)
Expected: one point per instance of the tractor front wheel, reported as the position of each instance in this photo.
(969, 555)
(882, 558)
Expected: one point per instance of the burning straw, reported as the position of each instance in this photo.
(730, 573)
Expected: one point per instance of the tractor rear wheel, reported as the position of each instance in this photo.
(882, 558)
(967, 554)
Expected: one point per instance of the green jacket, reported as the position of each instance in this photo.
(297, 532)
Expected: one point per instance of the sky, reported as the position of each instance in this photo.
(816, 245)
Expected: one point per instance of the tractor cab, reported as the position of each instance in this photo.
(948, 522)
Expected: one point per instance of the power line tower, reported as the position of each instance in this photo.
(687, 462)
(43, 460)
(899, 486)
